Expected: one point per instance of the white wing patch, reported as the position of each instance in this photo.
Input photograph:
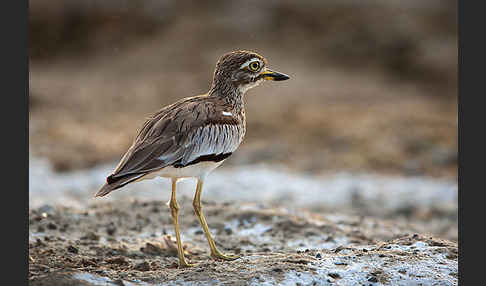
(213, 139)
(226, 113)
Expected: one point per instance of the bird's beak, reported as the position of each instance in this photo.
(273, 75)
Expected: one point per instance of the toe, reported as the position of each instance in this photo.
(225, 257)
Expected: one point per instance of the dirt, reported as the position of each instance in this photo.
(132, 243)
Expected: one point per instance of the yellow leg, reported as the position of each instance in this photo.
(174, 210)
(215, 253)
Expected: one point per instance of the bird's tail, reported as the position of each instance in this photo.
(113, 183)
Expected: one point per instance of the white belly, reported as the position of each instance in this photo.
(198, 170)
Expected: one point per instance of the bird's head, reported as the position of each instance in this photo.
(242, 70)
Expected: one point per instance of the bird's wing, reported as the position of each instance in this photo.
(179, 134)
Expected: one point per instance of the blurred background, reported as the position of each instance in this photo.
(373, 86)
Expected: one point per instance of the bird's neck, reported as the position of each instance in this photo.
(229, 93)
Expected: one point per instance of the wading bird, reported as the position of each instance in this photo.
(193, 136)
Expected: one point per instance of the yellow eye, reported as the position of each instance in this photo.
(254, 66)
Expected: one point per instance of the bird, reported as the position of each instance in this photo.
(193, 136)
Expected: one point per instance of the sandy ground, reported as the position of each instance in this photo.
(429, 204)
(133, 244)
(291, 229)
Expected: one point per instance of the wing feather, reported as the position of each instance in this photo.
(179, 134)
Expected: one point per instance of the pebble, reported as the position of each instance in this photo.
(334, 275)
(51, 226)
(228, 230)
(72, 249)
(91, 236)
(110, 230)
(47, 210)
(373, 279)
(120, 260)
(143, 266)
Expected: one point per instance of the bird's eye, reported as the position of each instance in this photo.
(254, 66)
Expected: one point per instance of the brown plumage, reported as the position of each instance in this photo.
(192, 136)
(171, 134)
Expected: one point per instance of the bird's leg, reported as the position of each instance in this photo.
(174, 210)
(198, 209)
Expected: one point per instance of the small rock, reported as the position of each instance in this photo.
(120, 260)
(228, 230)
(338, 249)
(154, 264)
(38, 218)
(173, 265)
(51, 226)
(88, 262)
(72, 249)
(151, 249)
(373, 279)
(334, 275)
(91, 236)
(110, 230)
(39, 242)
(47, 209)
(64, 227)
(144, 266)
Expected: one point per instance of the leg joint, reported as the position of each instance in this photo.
(173, 205)
(197, 207)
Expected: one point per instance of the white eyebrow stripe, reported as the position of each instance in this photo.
(249, 61)
(226, 113)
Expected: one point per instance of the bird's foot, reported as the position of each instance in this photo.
(185, 264)
(219, 255)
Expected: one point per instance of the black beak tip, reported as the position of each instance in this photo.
(281, 77)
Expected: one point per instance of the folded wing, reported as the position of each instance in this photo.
(178, 135)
